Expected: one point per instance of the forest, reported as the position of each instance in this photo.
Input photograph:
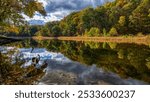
(117, 18)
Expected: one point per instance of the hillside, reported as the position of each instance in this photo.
(117, 18)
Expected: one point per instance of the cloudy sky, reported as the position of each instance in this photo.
(58, 9)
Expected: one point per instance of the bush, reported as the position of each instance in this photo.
(140, 34)
(93, 32)
(113, 32)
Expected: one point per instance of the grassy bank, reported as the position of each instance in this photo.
(130, 39)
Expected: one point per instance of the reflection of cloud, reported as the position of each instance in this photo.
(58, 72)
(58, 9)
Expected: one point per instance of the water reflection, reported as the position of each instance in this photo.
(77, 73)
(12, 73)
(71, 62)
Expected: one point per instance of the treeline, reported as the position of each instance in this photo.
(121, 17)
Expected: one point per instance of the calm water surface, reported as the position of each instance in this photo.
(70, 62)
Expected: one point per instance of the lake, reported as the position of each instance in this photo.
(82, 63)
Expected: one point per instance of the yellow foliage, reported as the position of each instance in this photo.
(122, 20)
(13, 74)
(11, 29)
(113, 32)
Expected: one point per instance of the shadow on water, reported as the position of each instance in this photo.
(70, 62)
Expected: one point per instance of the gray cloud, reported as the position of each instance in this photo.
(58, 9)
(72, 5)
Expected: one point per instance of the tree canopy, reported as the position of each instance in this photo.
(120, 17)
(117, 18)
(11, 12)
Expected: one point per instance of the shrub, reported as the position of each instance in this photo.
(113, 32)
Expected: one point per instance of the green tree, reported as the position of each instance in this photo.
(113, 32)
(104, 32)
(33, 29)
(122, 20)
(11, 12)
(56, 30)
(139, 20)
(93, 32)
(87, 19)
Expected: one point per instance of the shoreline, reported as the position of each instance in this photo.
(7, 40)
(138, 40)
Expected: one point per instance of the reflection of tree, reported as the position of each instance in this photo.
(148, 63)
(112, 45)
(14, 74)
(92, 45)
(128, 60)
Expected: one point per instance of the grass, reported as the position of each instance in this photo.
(120, 39)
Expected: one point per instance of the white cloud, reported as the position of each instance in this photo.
(44, 2)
